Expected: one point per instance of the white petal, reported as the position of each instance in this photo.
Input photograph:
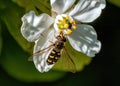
(87, 10)
(34, 25)
(61, 6)
(42, 43)
(84, 40)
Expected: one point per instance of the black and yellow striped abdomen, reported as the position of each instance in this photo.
(53, 57)
(56, 52)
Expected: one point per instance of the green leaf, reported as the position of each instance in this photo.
(27, 4)
(115, 2)
(35, 5)
(15, 62)
(42, 6)
(2, 5)
(79, 59)
(0, 39)
(11, 16)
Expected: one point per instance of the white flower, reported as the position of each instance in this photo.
(65, 18)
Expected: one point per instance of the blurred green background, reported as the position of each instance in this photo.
(15, 70)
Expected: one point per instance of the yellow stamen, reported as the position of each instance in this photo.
(74, 27)
(66, 25)
(71, 21)
(60, 31)
(61, 26)
(69, 32)
(60, 22)
(64, 21)
(74, 22)
(66, 17)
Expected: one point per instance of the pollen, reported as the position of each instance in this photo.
(61, 26)
(66, 25)
(71, 21)
(74, 27)
(69, 32)
(59, 23)
(60, 31)
(67, 17)
(74, 22)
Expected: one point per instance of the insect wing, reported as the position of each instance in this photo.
(66, 62)
(40, 59)
(40, 52)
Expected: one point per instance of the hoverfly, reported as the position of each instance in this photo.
(57, 51)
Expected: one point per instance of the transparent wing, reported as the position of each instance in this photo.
(40, 59)
(66, 61)
(40, 52)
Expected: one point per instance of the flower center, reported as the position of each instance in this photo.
(65, 24)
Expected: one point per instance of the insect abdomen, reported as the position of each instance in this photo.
(53, 57)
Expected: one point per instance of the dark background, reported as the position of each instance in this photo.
(104, 69)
